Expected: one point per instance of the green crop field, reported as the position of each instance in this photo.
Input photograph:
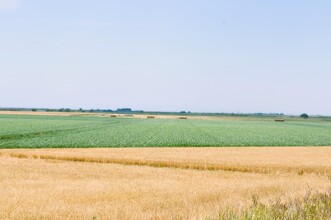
(23, 131)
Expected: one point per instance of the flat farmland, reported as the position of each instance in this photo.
(81, 131)
(94, 166)
(159, 183)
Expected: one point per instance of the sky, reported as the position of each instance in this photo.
(240, 56)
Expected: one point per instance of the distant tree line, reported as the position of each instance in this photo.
(130, 111)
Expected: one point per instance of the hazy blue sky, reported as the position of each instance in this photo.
(167, 55)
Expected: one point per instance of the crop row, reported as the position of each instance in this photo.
(79, 131)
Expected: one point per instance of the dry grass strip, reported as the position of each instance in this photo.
(177, 165)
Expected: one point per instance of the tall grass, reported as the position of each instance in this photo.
(312, 206)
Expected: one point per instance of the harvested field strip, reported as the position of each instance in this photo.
(178, 165)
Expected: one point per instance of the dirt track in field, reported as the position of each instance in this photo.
(40, 113)
(140, 116)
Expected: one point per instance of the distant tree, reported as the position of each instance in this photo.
(124, 110)
(34, 110)
(304, 115)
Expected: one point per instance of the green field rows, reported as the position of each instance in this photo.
(88, 131)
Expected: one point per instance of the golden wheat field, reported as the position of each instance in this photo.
(154, 183)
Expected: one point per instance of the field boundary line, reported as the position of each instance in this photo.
(174, 164)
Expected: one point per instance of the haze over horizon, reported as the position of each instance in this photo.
(198, 56)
